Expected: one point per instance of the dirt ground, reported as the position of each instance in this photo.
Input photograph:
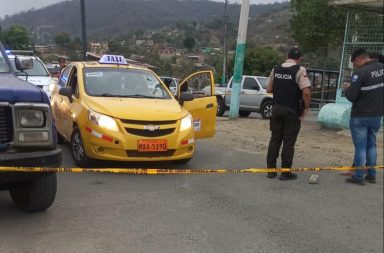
(315, 145)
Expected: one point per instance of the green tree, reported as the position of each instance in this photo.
(63, 40)
(119, 47)
(315, 24)
(259, 61)
(189, 43)
(16, 37)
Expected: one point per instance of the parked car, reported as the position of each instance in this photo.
(37, 75)
(27, 138)
(253, 97)
(112, 110)
(171, 82)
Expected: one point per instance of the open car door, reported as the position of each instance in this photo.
(204, 104)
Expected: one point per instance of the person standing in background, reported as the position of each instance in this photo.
(291, 90)
(366, 92)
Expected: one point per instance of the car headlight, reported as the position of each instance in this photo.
(51, 87)
(103, 121)
(29, 118)
(186, 123)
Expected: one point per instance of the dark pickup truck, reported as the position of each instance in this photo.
(27, 138)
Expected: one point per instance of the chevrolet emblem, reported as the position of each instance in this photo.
(151, 128)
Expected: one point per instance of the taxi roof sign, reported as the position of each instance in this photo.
(113, 59)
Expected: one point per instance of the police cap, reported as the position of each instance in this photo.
(295, 53)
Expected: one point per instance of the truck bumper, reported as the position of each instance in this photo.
(49, 158)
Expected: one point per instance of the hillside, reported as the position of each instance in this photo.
(106, 19)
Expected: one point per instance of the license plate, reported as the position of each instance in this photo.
(152, 145)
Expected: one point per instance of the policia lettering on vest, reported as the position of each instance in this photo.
(291, 90)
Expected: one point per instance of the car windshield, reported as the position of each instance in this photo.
(263, 81)
(37, 70)
(4, 68)
(121, 82)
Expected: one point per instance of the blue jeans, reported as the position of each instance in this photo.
(364, 130)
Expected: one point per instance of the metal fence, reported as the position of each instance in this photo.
(363, 30)
(324, 86)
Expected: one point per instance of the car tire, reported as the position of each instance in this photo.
(220, 106)
(77, 149)
(266, 109)
(35, 195)
(244, 113)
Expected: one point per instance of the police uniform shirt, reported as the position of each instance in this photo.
(367, 90)
(301, 77)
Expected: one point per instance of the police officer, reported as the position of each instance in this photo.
(291, 90)
(366, 92)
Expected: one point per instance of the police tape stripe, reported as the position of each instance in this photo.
(179, 171)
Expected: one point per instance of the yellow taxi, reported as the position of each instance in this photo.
(112, 110)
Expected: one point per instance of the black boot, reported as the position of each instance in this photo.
(272, 174)
(370, 179)
(354, 180)
(287, 176)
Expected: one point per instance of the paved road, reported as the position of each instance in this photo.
(200, 213)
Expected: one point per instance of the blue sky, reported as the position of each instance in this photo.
(13, 6)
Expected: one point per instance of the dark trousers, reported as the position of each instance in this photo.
(285, 126)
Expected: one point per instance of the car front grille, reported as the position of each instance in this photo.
(144, 122)
(148, 133)
(5, 124)
(135, 153)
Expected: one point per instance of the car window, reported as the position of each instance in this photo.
(64, 76)
(250, 84)
(198, 85)
(114, 82)
(4, 68)
(263, 81)
(173, 84)
(37, 70)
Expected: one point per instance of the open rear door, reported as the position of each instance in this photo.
(204, 105)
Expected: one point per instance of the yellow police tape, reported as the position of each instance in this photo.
(179, 171)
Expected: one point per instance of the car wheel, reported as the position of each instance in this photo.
(244, 113)
(35, 195)
(220, 106)
(78, 151)
(266, 109)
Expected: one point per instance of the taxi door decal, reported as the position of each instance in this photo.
(204, 105)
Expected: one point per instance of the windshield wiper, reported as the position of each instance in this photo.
(111, 95)
(141, 96)
(127, 96)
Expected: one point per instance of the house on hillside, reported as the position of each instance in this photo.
(167, 52)
(145, 43)
(98, 48)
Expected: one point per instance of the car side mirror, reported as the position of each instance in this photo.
(67, 92)
(185, 96)
(23, 63)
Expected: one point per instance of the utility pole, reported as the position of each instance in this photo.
(83, 30)
(223, 78)
(239, 60)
